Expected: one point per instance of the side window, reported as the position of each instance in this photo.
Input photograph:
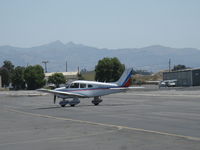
(82, 85)
(74, 85)
(90, 86)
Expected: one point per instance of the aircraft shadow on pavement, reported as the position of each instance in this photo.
(102, 105)
(89, 105)
(51, 107)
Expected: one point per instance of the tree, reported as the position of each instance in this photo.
(80, 77)
(6, 72)
(5, 76)
(57, 79)
(179, 67)
(8, 64)
(109, 69)
(34, 77)
(18, 81)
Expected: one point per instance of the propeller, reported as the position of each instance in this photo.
(54, 100)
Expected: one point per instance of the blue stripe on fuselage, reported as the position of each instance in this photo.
(88, 89)
(85, 89)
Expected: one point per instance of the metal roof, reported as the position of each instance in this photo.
(189, 69)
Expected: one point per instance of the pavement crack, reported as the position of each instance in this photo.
(58, 138)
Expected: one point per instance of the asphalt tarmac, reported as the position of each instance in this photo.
(139, 120)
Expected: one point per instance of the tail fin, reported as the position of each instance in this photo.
(125, 79)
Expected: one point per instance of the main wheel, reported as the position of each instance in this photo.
(63, 105)
(72, 105)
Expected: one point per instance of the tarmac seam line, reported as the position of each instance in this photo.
(158, 95)
(106, 125)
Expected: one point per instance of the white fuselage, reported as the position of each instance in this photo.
(89, 89)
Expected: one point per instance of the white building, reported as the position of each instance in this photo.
(68, 75)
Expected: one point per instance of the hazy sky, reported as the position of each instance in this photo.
(101, 23)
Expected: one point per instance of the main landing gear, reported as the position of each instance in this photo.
(76, 101)
(72, 103)
(63, 103)
(96, 101)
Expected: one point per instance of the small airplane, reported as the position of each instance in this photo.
(87, 89)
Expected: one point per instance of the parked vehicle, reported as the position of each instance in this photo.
(168, 83)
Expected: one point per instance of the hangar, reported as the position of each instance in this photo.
(187, 77)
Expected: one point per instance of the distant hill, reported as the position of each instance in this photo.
(152, 58)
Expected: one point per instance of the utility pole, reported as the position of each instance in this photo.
(66, 66)
(169, 64)
(45, 65)
(78, 70)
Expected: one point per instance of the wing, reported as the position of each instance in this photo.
(61, 93)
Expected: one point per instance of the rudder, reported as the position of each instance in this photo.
(125, 79)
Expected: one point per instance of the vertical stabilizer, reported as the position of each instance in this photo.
(125, 79)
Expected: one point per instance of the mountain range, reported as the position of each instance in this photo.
(152, 58)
